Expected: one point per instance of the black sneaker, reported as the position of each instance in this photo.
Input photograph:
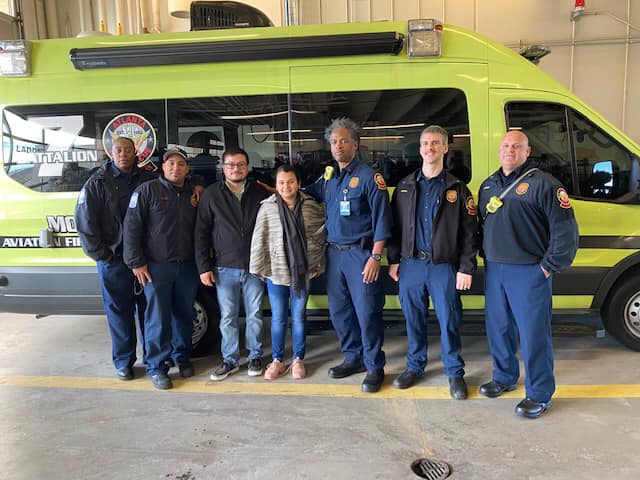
(223, 371)
(255, 367)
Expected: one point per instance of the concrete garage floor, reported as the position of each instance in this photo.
(63, 415)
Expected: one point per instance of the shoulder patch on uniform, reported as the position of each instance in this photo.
(451, 196)
(563, 198)
(471, 206)
(522, 188)
(379, 179)
(133, 201)
(82, 197)
(354, 182)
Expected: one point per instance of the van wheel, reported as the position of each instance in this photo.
(621, 312)
(206, 319)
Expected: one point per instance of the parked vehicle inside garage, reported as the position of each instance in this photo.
(272, 91)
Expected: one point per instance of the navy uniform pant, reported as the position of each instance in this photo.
(420, 279)
(169, 314)
(518, 302)
(120, 304)
(355, 307)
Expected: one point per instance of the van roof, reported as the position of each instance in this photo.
(51, 57)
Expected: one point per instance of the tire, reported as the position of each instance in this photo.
(621, 311)
(206, 319)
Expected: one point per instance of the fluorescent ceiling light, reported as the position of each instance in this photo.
(408, 125)
(295, 140)
(386, 137)
(265, 115)
(269, 132)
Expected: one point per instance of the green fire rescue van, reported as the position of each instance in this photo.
(272, 91)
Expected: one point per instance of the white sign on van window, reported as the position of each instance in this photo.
(51, 142)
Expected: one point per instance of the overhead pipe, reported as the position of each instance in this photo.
(51, 16)
(119, 12)
(142, 25)
(155, 6)
(130, 15)
(83, 25)
(625, 85)
(102, 15)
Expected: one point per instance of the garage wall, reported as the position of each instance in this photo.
(597, 57)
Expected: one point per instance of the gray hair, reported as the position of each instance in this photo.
(437, 129)
(343, 122)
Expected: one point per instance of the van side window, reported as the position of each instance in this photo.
(54, 148)
(588, 161)
(391, 122)
(546, 126)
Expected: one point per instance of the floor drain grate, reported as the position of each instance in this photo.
(430, 469)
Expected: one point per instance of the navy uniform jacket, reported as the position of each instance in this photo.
(535, 224)
(98, 217)
(370, 214)
(159, 224)
(454, 237)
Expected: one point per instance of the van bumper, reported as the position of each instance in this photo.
(50, 290)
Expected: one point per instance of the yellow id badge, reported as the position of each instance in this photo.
(494, 204)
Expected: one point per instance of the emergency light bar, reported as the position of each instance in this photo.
(237, 51)
(425, 38)
(14, 59)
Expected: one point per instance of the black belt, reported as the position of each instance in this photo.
(339, 246)
(420, 255)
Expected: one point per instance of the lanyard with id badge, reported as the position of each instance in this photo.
(345, 205)
(496, 202)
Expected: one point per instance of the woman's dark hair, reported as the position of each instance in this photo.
(286, 168)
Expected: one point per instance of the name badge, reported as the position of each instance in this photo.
(494, 204)
(345, 208)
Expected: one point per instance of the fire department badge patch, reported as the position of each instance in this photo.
(379, 179)
(522, 188)
(563, 198)
(471, 206)
(451, 196)
(353, 183)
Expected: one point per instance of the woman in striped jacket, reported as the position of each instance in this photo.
(287, 249)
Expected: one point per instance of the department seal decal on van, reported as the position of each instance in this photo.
(138, 129)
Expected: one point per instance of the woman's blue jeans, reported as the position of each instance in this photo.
(281, 298)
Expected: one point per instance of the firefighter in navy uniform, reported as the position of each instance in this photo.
(99, 215)
(529, 233)
(358, 225)
(435, 232)
(159, 248)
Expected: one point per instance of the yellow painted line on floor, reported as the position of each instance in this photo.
(303, 389)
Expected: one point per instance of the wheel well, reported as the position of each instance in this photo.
(623, 269)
